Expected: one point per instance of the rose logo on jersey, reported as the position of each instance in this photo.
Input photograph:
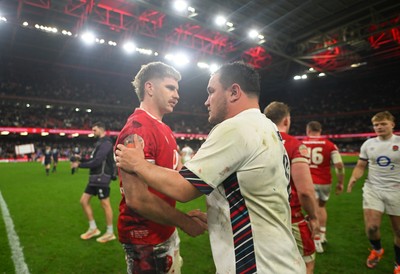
(395, 148)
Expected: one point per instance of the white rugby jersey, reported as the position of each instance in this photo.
(244, 170)
(383, 158)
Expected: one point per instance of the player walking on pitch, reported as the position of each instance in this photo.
(381, 190)
(322, 153)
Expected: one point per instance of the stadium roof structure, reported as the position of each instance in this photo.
(334, 37)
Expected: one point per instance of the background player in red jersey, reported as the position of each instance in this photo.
(302, 190)
(147, 218)
(322, 153)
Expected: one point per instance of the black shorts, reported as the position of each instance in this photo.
(101, 192)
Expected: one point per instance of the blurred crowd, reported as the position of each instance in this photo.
(55, 97)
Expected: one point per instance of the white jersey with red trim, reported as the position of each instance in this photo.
(383, 158)
(245, 170)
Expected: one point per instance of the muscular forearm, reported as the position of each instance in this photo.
(357, 173)
(164, 180)
(152, 207)
(167, 181)
(309, 204)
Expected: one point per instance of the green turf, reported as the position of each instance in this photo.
(48, 220)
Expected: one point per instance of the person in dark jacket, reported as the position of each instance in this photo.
(101, 164)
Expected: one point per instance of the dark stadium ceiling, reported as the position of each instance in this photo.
(327, 35)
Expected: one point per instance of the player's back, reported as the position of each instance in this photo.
(320, 151)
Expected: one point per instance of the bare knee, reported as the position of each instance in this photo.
(84, 200)
(372, 230)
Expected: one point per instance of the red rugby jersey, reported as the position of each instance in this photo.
(320, 150)
(297, 152)
(160, 148)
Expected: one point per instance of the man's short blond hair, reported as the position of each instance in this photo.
(384, 115)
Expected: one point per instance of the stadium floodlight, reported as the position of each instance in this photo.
(88, 38)
(181, 59)
(77, 109)
(5, 132)
(24, 133)
(213, 68)
(180, 5)
(297, 77)
(203, 65)
(156, 53)
(145, 51)
(25, 24)
(27, 105)
(129, 47)
(253, 34)
(321, 74)
(3, 19)
(62, 133)
(66, 32)
(304, 76)
(48, 106)
(220, 20)
(88, 110)
(90, 135)
(311, 69)
(44, 133)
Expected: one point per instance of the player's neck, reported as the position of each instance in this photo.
(152, 111)
(385, 137)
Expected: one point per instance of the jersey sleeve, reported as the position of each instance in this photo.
(363, 152)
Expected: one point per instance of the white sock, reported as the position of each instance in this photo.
(110, 229)
(92, 224)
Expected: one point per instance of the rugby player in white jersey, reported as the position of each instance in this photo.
(381, 190)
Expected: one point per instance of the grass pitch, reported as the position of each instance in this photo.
(48, 220)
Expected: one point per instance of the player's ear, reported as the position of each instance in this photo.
(149, 88)
(286, 121)
(235, 92)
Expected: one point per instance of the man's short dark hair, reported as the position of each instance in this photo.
(314, 126)
(99, 125)
(242, 74)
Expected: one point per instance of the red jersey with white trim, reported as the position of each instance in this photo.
(298, 153)
(321, 150)
(160, 148)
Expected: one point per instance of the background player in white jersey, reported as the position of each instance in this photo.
(381, 190)
(186, 153)
(243, 169)
(323, 153)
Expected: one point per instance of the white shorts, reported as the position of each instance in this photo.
(385, 201)
(322, 192)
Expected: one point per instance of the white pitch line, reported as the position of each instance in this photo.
(16, 249)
